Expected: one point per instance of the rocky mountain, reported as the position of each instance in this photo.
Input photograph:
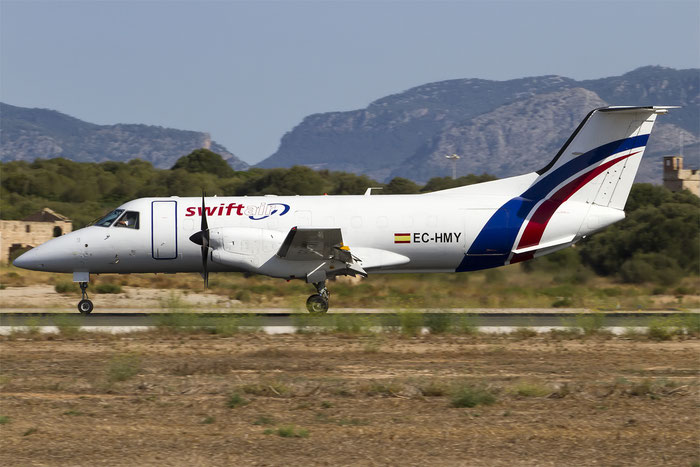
(500, 127)
(28, 134)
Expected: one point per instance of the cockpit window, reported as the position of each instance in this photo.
(107, 220)
(129, 220)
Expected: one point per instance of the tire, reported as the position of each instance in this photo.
(316, 304)
(85, 307)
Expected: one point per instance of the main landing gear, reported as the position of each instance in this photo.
(318, 302)
(84, 306)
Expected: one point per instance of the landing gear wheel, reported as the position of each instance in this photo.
(316, 304)
(85, 307)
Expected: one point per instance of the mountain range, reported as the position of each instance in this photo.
(29, 134)
(499, 127)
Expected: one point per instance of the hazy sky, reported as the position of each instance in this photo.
(247, 72)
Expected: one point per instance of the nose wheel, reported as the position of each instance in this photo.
(84, 306)
(318, 302)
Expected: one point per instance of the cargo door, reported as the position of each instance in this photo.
(164, 229)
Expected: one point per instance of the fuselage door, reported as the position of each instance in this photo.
(164, 229)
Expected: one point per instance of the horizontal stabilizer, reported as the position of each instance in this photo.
(543, 246)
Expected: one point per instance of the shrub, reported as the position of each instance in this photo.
(226, 326)
(264, 420)
(236, 400)
(691, 323)
(411, 323)
(243, 296)
(68, 326)
(590, 324)
(434, 388)
(108, 288)
(471, 396)
(660, 330)
(290, 431)
(563, 302)
(438, 323)
(650, 267)
(66, 287)
(531, 389)
(467, 324)
(524, 333)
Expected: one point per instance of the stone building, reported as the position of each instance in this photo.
(31, 231)
(676, 178)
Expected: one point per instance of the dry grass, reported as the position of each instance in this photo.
(508, 287)
(188, 399)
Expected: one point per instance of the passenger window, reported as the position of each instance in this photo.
(129, 220)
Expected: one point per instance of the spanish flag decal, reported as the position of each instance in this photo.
(402, 238)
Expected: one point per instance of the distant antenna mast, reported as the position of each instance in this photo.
(453, 158)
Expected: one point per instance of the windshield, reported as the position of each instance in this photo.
(107, 220)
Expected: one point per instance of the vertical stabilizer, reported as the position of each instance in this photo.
(583, 189)
(600, 160)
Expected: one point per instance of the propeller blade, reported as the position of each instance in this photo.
(205, 225)
(204, 238)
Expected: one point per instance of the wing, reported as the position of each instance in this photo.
(314, 244)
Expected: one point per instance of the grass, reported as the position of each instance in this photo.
(438, 323)
(227, 327)
(267, 389)
(4, 419)
(264, 420)
(466, 324)
(351, 324)
(68, 326)
(122, 367)
(236, 400)
(178, 322)
(531, 389)
(411, 324)
(506, 287)
(471, 396)
(590, 324)
(434, 388)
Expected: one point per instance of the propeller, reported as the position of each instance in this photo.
(202, 238)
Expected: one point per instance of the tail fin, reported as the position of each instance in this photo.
(600, 160)
(591, 176)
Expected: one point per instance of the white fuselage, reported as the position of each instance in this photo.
(388, 233)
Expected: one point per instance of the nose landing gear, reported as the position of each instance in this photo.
(84, 306)
(318, 303)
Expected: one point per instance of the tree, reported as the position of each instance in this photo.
(658, 224)
(401, 186)
(204, 161)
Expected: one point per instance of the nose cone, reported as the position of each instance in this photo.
(30, 260)
(55, 255)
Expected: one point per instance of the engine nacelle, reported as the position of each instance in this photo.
(244, 248)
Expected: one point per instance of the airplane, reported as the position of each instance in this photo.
(317, 238)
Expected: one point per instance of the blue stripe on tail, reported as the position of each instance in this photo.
(494, 243)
